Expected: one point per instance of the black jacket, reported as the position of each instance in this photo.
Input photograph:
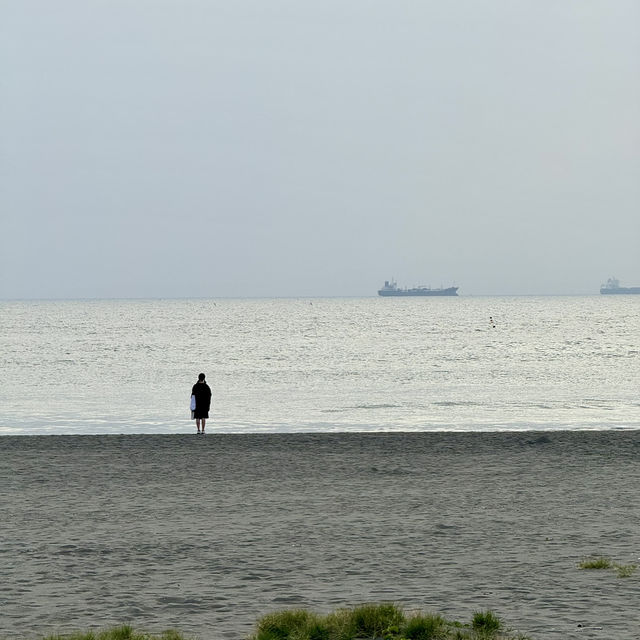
(202, 392)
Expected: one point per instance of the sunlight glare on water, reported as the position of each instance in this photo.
(328, 364)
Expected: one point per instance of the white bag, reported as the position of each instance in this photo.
(193, 403)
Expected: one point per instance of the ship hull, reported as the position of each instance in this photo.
(416, 293)
(617, 291)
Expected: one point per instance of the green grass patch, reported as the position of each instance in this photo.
(596, 562)
(377, 622)
(296, 624)
(486, 622)
(374, 621)
(365, 622)
(124, 632)
(425, 627)
(602, 562)
(625, 570)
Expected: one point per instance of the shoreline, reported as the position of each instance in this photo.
(364, 432)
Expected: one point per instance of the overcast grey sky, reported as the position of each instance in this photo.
(175, 148)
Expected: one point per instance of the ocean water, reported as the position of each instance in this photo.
(321, 365)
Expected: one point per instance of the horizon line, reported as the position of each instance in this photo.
(290, 297)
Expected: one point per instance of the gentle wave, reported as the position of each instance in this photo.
(337, 365)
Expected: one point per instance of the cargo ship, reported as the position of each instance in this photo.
(391, 289)
(613, 287)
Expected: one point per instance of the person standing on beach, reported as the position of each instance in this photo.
(202, 393)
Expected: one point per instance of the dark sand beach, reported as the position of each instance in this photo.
(206, 534)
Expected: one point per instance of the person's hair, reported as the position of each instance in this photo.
(201, 376)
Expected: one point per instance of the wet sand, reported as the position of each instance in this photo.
(206, 534)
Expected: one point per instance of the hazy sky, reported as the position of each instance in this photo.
(175, 148)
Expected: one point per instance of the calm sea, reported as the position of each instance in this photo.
(321, 365)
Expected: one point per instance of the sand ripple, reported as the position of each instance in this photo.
(207, 534)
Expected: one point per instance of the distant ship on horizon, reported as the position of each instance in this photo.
(391, 289)
(613, 287)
